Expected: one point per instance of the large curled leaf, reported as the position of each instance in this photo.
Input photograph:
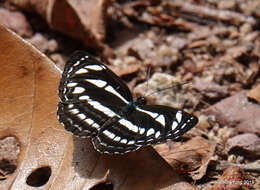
(50, 158)
(83, 20)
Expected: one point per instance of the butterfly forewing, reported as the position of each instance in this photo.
(89, 95)
(85, 75)
(96, 103)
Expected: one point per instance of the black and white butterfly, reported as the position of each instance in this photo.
(96, 103)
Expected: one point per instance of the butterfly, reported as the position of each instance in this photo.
(94, 102)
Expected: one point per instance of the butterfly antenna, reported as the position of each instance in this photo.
(148, 73)
(170, 87)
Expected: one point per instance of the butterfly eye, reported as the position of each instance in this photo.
(141, 100)
(96, 103)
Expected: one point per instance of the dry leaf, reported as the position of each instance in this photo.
(192, 156)
(28, 99)
(254, 93)
(50, 157)
(83, 20)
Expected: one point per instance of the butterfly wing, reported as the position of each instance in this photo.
(168, 123)
(144, 126)
(92, 99)
(83, 70)
(90, 94)
(100, 146)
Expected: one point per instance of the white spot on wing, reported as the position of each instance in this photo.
(157, 134)
(70, 106)
(128, 125)
(94, 67)
(113, 91)
(72, 84)
(183, 125)
(102, 108)
(74, 111)
(89, 121)
(109, 134)
(153, 115)
(179, 116)
(81, 116)
(77, 63)
(78, 127)
(174, 125)
(71, 69)
(85, 97)
(142, 130)
(112, 136)
(150, 132)
(70, 120)
(177, 131)
(131, 142)
(78, 90)
(81, 71)
(98, 83)
(95, 126)
(106, 132)
(123, 141)
(161, 120)
(117, 139)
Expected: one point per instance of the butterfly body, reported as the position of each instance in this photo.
(96, 103)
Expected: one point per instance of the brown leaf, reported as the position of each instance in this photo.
(83, 20)
(49, 157)
(254, 93)
(192, 156)
(28, 100)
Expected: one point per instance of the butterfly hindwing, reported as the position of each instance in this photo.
(145, 126)
(168, 123)
(105, 148)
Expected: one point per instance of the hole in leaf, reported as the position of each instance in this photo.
(39, 177)
(102, 186)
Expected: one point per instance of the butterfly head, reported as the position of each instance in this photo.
(134, 104)
(141, 101)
